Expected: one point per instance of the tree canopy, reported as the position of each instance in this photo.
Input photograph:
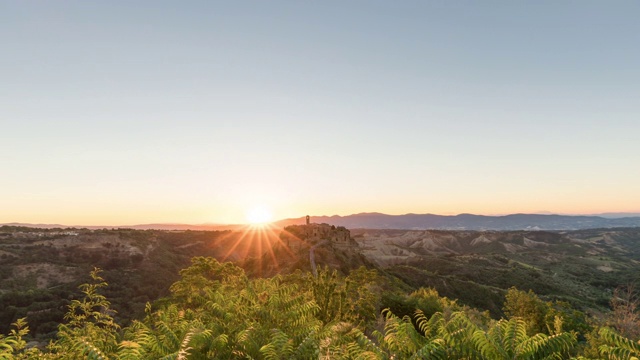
(216, 311)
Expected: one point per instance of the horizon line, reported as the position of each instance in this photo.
(543, 213)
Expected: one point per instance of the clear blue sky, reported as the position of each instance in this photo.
(118, 112)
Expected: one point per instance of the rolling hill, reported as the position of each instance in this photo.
(469, 222)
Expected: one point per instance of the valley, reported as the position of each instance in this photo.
(581, 267)
(41, 268)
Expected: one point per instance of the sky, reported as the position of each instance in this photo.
(121, 113)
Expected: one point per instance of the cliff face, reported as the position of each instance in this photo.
(332, 246)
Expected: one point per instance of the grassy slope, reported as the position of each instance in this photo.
(581, 267)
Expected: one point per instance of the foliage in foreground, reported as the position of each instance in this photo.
(216, 311)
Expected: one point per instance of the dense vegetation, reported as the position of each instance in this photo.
(216, 311)
(478, 267)
(40, 269)
(545, 301)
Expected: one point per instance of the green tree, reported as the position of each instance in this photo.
(90, 331)
(363, 289)
(204, 275)
(508, 339)
(14, 346)
(618, 347)
(330, 295)
(528, 307)
(571, 319)
(439, 337)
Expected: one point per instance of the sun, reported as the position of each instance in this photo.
(258, 215)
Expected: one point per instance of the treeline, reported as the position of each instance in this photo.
(215, 311)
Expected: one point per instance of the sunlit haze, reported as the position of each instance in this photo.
(259, 214)
(116, 113)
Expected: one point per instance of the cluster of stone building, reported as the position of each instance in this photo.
(337, 236)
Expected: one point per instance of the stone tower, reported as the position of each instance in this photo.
(308, 219)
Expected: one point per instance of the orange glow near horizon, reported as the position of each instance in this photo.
(242, 212)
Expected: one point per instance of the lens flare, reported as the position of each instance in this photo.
(259, 215)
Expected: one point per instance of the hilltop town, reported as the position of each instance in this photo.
(313, 234)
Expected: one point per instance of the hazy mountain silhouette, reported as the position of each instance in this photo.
(469, 221)
(376, 220)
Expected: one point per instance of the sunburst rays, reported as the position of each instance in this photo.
(260, 243)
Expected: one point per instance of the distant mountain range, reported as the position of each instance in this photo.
(160, 226)
(470, 222)
(614, 215)
(419, 222)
